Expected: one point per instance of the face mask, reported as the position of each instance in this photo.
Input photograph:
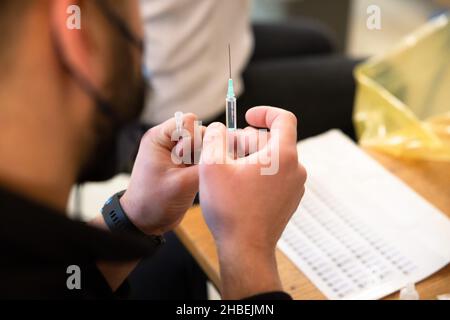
(103, 161)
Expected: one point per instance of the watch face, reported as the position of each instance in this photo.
(108, 201)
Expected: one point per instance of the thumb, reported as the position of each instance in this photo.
(215, 145)
(189, 177)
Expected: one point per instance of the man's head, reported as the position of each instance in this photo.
(92, 74)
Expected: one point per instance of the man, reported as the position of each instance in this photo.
(62, 104)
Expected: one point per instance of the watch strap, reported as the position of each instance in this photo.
(117, 220)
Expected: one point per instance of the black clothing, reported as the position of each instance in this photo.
(170, 274)
(39, 244)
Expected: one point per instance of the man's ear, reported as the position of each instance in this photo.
(71, 37)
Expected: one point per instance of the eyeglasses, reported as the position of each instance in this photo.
(120, 24)
(126, 32)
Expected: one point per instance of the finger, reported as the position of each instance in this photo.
(167, 135)
(251, 140)
(277, 119)
(183, 149)
(215, 145)
(203, 130)
(189, 178)
(199, 136)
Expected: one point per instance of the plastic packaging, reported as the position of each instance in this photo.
(403, 98)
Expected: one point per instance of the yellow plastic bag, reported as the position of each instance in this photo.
(403, 98)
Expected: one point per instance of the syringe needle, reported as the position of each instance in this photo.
(229, 58)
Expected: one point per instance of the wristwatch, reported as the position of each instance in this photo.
(117, 220)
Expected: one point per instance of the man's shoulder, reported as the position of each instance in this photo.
(42, 248)
(33, 229)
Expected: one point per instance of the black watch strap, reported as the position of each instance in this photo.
(117, 220)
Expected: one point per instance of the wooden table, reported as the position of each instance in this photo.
(431, 180)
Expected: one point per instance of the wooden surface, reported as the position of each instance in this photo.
(430, 179)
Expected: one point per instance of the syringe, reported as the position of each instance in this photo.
(231, 100)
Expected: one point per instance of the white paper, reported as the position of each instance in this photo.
(360, 232)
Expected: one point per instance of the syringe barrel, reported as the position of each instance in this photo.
(231, 113)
